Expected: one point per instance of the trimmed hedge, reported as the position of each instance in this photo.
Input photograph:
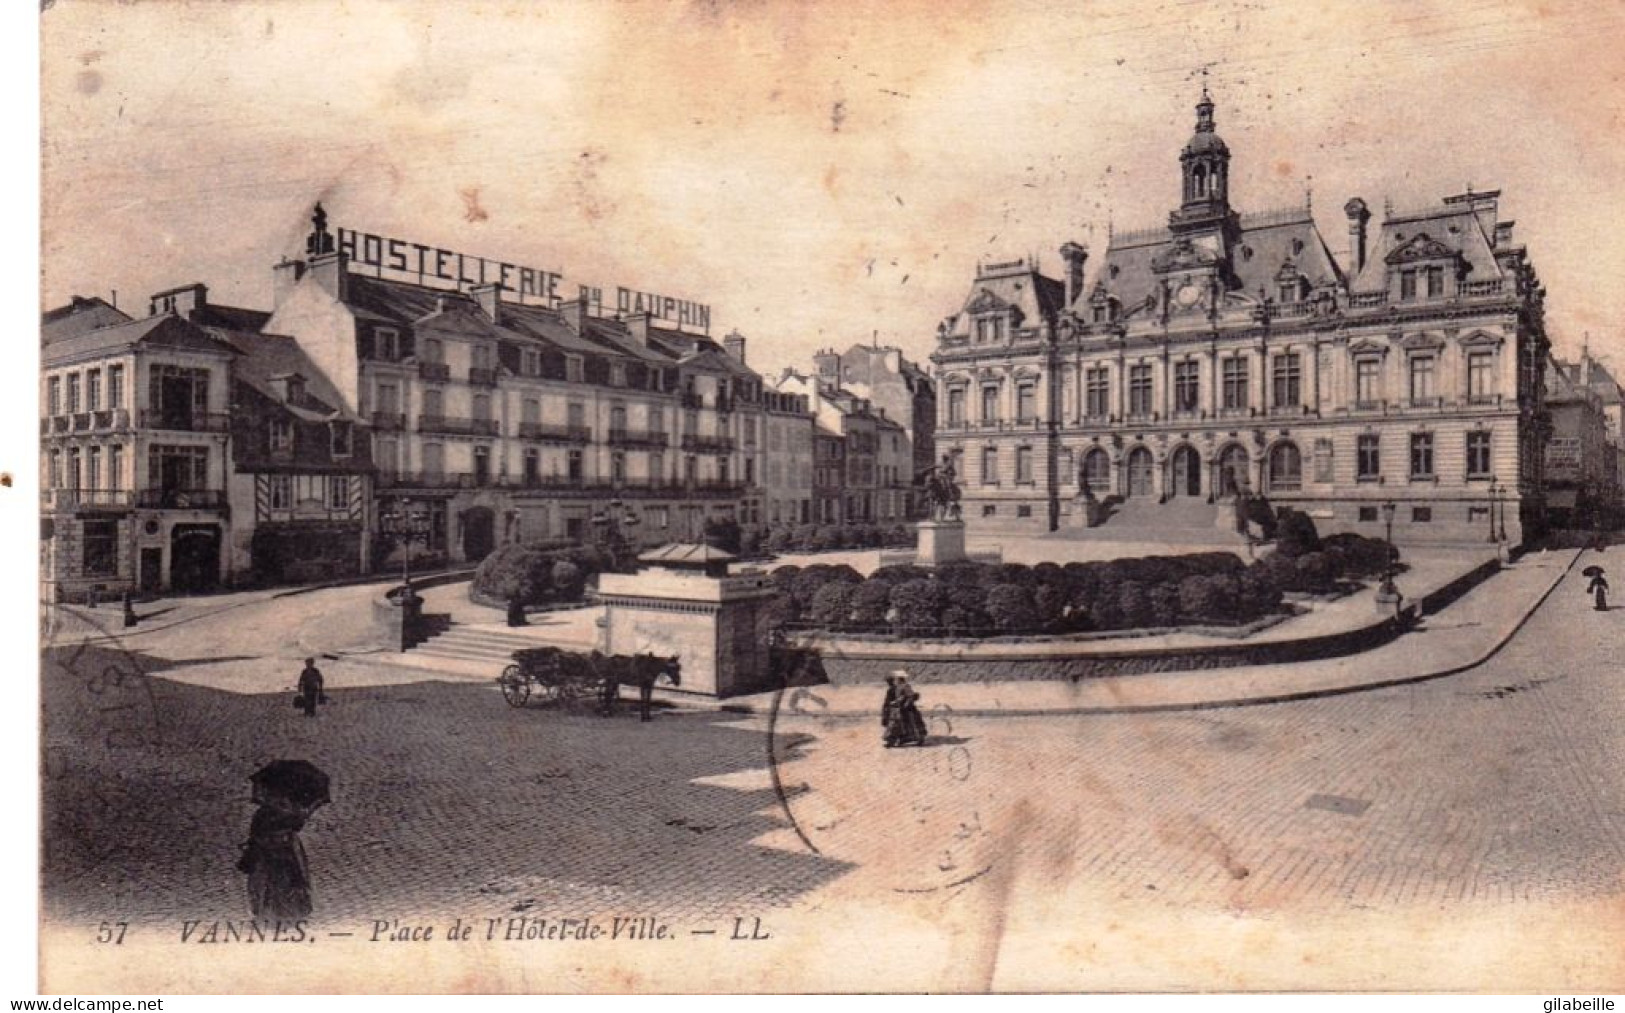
(970, 599)
(782, 538)
(540, 573)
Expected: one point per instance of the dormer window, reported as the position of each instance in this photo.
(530, 362)
(617, 374)
(387, 344)
(1407, 285)
(573, 368)
(341, 439)
(990, 329)
(1435, 281)
(281, 436)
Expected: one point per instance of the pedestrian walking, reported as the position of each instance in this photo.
(907, 726)
(1598, 589)
(287, 793)
(888, 710)
(274, 858)
(310, 688)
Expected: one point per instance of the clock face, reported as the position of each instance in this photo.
(1187, 294)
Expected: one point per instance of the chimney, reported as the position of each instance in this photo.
(331, 271)
(1074, 256)
(489, 296)
(735, 344)
(1503, 234)
(1358, 215)
(181, 301)
(575, 314)
(637, 324)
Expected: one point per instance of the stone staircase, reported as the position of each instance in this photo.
(1184, 520)
(480, 644)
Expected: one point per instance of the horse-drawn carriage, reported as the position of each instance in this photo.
(553, 674)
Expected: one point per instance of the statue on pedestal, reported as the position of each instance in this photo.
(941, 489)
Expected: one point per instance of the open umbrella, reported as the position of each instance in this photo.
(297, 781)
(1591, 571)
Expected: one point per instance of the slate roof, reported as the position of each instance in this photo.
(78, 317)
(1019, 284)
(1267, 241)
(266, 356)
(164, 329)
(1453, 223)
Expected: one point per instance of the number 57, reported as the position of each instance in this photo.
(111, 932)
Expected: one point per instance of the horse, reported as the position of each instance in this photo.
(640, 670)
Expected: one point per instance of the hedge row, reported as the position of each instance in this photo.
(978, 599)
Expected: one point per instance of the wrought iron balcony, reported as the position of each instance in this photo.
(553, 431)
(181, 499)
(708, 444)
(434, 371)
(481, 376)
(639, 438)
(194, 422)
(456, 426)
(389, 421)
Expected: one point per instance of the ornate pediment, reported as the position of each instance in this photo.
(1420, 342)
(1480, 339)
(1183, 254)
(1421, 247)
(1366, 346)
(986, 302)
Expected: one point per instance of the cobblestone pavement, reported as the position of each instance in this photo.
(1494, 794)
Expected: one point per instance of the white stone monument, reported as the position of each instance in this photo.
(684, 602)
(940, 542)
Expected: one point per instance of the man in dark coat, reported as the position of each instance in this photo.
(310, 687)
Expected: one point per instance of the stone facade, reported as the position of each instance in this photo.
(1228, 351)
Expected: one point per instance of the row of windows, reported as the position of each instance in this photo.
(1419, 514)
(1286, 386)
(332, 491)
(75, 470)
(433, 462)
(1285, 461)
(84, 391)
(282, 437)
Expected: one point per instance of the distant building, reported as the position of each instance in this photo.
(851, 486)
(1583, 455)
(896, 387)
(1226, 351)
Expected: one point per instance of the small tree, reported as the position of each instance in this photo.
(831, 605)
(1295, 533)
(917, 606)
(1010, 606)
(871, 601)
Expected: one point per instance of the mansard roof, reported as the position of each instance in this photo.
(1018, 284)
(79, 317)
(1266, 242)
(1450, 229)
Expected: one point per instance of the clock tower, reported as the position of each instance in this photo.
(1195, 267)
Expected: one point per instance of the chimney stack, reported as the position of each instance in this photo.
(575, 314)
(1358, 215)
(181, 301)
(489, 296)
(1074, 256)
(637, 324)
(735, 345)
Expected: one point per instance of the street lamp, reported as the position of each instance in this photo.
(1494, 493)
(1502, 497)
(608, 523)
(1388, 594)
(406, 526)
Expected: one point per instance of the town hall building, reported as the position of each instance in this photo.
(1229, 352)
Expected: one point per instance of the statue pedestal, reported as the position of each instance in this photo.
(940, 542)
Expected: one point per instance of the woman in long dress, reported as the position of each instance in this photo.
(274, 858)
(908, 726)
(1599, 590)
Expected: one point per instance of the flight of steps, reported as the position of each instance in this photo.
(475, 644)
(1184, 520)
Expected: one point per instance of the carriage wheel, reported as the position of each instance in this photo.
(515, 687)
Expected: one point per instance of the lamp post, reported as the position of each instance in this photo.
(1502, 495)
(1387, 594)
(406, 526)
(1494, 494)
(608, 523)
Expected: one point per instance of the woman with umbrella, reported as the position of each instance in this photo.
(1598, 588)
(287, 791)
(907, 726)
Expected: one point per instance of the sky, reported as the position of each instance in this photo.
(818, 175)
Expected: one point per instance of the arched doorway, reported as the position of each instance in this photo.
(479, 532)
(1139, 472)
(1232, 471)
(1185, 472)
(1285, 467)
(194, 557)
(1097, 474)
